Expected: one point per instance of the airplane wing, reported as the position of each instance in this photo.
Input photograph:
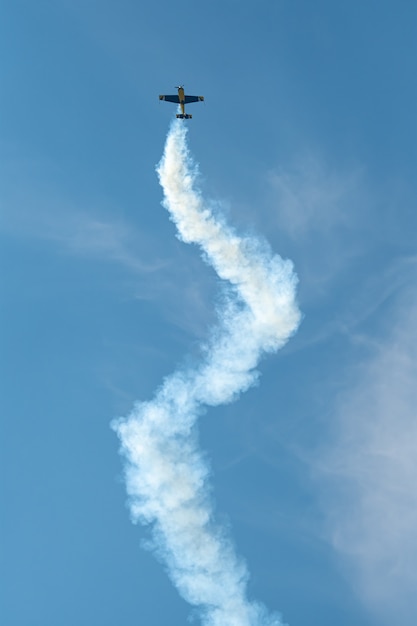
(189, 99)
(171, 99)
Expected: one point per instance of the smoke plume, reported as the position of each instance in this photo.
(166, 474)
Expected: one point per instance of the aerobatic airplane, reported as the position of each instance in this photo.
(182, 100)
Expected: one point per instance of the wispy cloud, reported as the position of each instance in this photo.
(323, 212)
(334, 217)
(313, 198)
(37, 211)
(353, 240)
(369, 472)
(80, 233)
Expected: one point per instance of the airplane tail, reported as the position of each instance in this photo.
(186, 116)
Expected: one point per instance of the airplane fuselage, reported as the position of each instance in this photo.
(181, 98)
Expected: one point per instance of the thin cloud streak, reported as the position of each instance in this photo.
(166, 473)
(77, 232)
(369, 472)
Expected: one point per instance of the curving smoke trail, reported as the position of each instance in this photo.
(166, 474)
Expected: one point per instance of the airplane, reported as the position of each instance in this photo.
(182, 100)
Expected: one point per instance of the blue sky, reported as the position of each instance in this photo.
(307, 138)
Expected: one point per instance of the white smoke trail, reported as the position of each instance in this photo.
(166, 474)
